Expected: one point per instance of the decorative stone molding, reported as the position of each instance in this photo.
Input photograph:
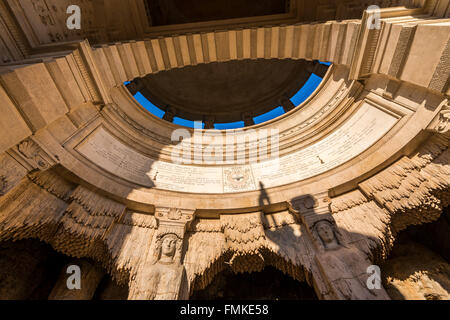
(245, 242)
(337, 234)
(245, 238)
(370, 42)
(21, 45)
(411, 191)
(174, 216)
(402, 50)
(33, 154)
(119, 113)
(173, 221)
(441, 123)
(311, 205)
(127, 243)
(338, 100)
(413, 184)
(3, 185)
(29, 149)
(30, 211)
(87, 219)
(96, 204)
(365, 49)
(52, 183)
(89, 82)
(441, 78)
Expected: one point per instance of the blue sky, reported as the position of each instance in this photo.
(303, 94)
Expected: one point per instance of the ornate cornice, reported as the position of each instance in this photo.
(33, 155)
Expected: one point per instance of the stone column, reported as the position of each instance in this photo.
(318, 69)
(162, 276)
(135, 86)
(287, 104)
(209, 122)
(248, 119)
(90, 277)
(339, 268)
(170, 114)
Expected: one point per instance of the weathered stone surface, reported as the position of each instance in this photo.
(414, 272)
(22, 268)
(84, 168)
(90, 277)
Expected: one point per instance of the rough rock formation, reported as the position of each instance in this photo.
(414, 272)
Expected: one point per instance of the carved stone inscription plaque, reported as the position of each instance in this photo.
(361, 131)
(357, 134)
(110, 154)
(119, 159)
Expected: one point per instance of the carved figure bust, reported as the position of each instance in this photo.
(162, 278)
(343, 266)
(168, 248)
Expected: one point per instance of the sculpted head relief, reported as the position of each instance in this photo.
(168, 248)
(327, 235)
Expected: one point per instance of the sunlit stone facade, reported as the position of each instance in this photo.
(321, 193)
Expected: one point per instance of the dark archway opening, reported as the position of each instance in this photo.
(31, 269)
(269, 284)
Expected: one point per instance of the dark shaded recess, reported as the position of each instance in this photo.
(270, 284)
(166, 12)
(53, 266)
(108, 289)
(29, 270)
(420, 249)
(435, 236)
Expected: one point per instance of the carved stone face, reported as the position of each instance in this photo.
(325, 232)
(168, 245)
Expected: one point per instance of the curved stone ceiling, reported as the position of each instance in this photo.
(224, 91)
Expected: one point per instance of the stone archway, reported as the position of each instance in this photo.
(33, 270)
(270, 284)
(61, 100)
